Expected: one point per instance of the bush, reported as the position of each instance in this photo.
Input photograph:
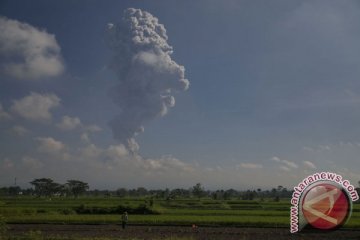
(140, 209)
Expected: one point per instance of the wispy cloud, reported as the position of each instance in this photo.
(289, 164)
(165, 164)
(309, 165)
(285, 165)
(250, 165)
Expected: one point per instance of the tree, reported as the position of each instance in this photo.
(230, 193)
(248, 195)
(45, 187)
(121, 192)
(273, 192)
(77, 187)
(179, 193)
(141, 191)
(13, 191)
(198, 190)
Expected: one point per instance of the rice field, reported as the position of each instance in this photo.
(107, 210)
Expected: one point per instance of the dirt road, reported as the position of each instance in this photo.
(161, 232)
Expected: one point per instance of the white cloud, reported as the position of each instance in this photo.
(309, 165)
(250, 165)
(289, 164)
(49, 145)
(69, 123)
(118, 158)
(91, 152)
(275, 159)
(285, 163)
(36, 106)
(20, 130)
(284, 168)
(4, 115)
(166, 163)
(27, 52)
(117, 151)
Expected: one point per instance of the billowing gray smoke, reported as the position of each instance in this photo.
(147, 75)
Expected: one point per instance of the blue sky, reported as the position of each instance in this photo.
(274, 94)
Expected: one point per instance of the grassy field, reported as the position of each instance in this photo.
(103, 210)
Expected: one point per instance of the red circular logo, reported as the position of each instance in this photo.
(326, 206)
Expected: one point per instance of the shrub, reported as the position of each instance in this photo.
(140, 209)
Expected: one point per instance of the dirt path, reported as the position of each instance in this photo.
(161, 232)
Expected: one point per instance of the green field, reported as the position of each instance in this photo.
(104, 210)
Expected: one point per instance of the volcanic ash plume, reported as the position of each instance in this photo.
(147, 75)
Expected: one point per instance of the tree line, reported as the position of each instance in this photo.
(46, 187)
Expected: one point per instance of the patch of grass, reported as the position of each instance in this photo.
(101, 210)
(259, 221)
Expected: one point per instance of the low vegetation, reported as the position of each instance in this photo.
(105, 210)
(77, 205)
